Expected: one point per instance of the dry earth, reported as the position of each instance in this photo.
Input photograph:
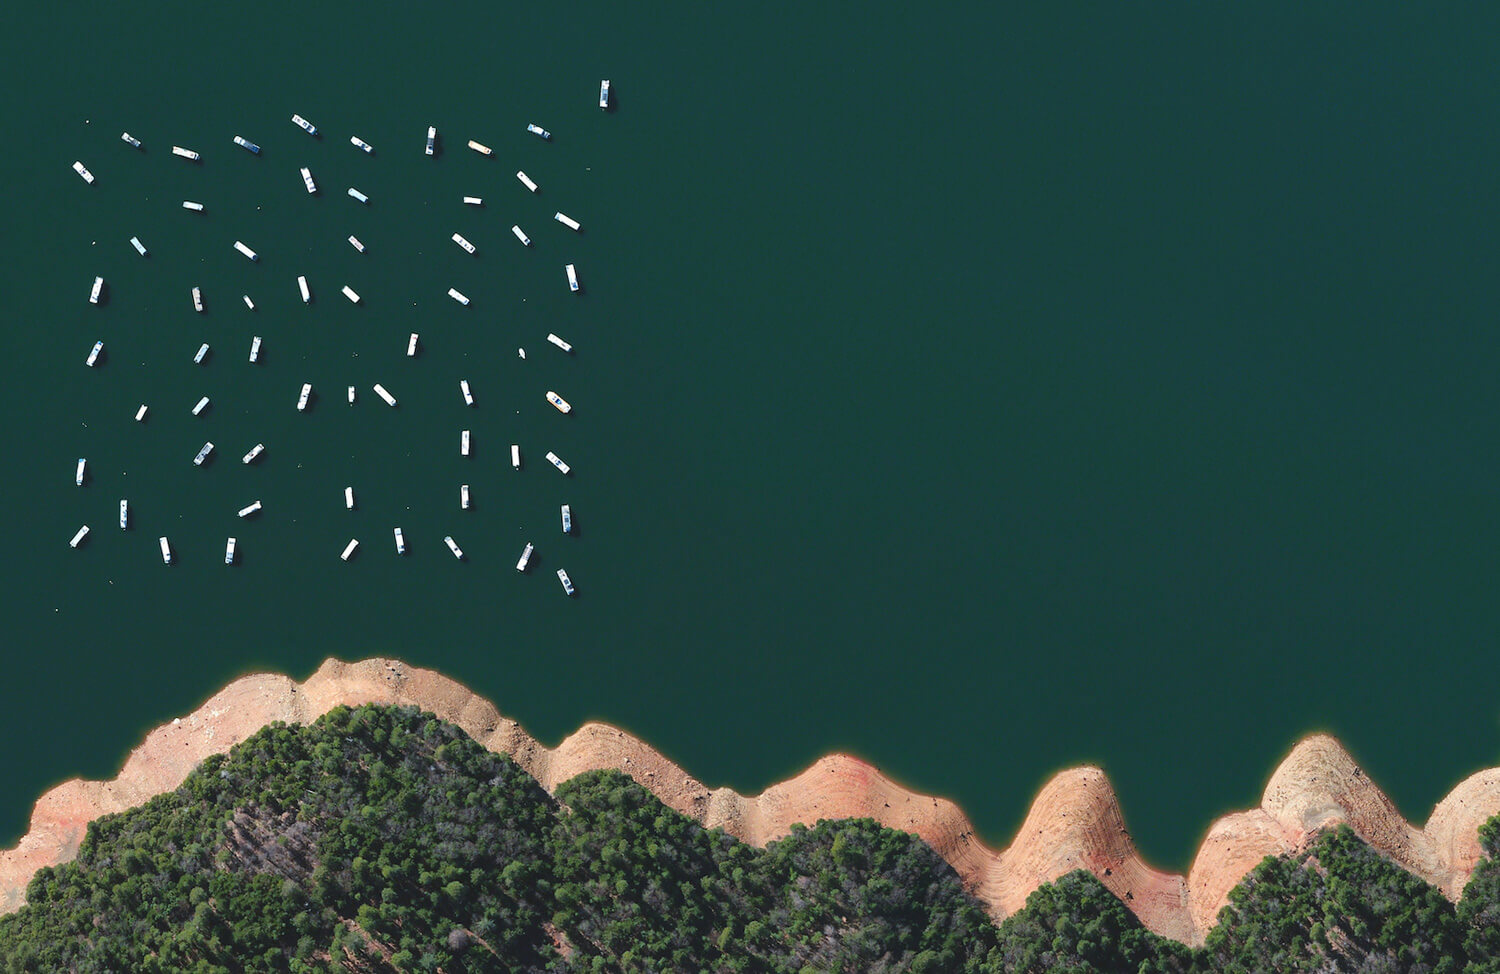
(1075, 822)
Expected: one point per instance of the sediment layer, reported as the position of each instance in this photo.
(1075, 821)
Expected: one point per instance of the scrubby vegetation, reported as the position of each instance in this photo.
(382, 839)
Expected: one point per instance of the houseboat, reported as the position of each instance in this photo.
(304, 396)
(463, 242)
(400, 542)
(247, 145)
(463, 444)
(567, 583)
(124, 514)
(349, 293)
(249, 509)
(191, 205)
(559, 402)
(83, 465)
(356, 194)
(302, 286)
(604, 94)
(94, 354)
(521, 235)
(238, 245)
(411, 347)
(526, 181)
(349, 548)
(431, 138)
(307, 180)
(96, 291)
(82, 170)
(348, 498)
(567, 518)
(525, 557)
(453, 547)
(354, 242)
(538, 131)
(201, 354)
(201, 405)
(457, 295)
(255, 349)
(130, 140)
(463, 386)
(203, 454)
(572, 277)
(248, 303)
(255, 451)
(140, 248)
(188, 154)
(166, 550)
(473, 201)
(78, 537)
(566, 221)
(360, 143)
(198, 299)
(515, 455)
(559, 343)
(483, 150)
(463, 497)
(390, 400)
(557, 462)
(305, 125)
(229, 552)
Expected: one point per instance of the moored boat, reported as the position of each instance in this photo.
(559, 343)
(557, 462)
(463, 242)
(515, 455)
(203, 454)
(538, 131)
(130, 140)
(431, 139)
(453, 547)
(390, 400)
(463, 386)
(354, 242)
(463, 444)
(411, 345)
(188, 154)
(83, 171)
(78, 537)
(463, 497)
(567, 583)
(572, 277)
(349, 548)
(190, 205)
(521, 235)
(97, 289)
(483, 150)
(255, 451)
(305, 125)
(307, 180)
(304, 396)
(82, 469)
(166, 550)
(349, 293)
(238, 245)
(567, 518)
(140, 248)
(247, 145)
(302, 286)
(248, 303)
(566, 221)
(474, 200)
(349, 498)
(201, 354)
(351, 395)
(360, 143)
(249, 509)
(526, 181)
(255, 349)
(124, 514)
(400, 542)
(140, 414)
(94, 354)
(604, 94)
(525, 557)
(201, 405)
(457, 295)
(559, 402)
(358, 195)
(198, 299)
(229, 551)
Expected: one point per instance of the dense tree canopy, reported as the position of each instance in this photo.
(381, 839)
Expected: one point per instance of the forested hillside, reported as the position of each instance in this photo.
(382, 839)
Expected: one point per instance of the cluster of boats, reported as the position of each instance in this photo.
(306, 395)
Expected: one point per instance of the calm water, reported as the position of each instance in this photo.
(983, 394)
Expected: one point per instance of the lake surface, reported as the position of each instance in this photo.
(980, 393)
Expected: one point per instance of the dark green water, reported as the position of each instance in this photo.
(983, 392)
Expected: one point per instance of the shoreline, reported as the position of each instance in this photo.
(1074, 822)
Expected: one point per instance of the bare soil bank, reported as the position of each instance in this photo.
(1075, 822)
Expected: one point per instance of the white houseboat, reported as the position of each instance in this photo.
(567, 583)
(604, 94)
(411, 346)
(249, 509)
(304, 396)
(463, 444)
(360, 143)
(559, 343)
(238, 245)
(203, 454)
(166, 550)
(94, 354)
(124, 514)
(354, 242)
(247, 145)
(538, 131)
(457, 295)
(559, 402)
(349, 293)
(198, 299)
(130, 140)
(248, 303)
(390, 400)
(82, 170)
(255, 451)
(526, 181)
(255, 349)
(463, 242)
(307, 180)
(188, 154)
(140, 248)
(566, 221)
(463, 497)
(302, 286)
(453, 547)
(229, 552)
(525, 557)
(356, 194)
(201, 405)
(474, 200)
(463, 386)
(521, 235)
(82, 469)
(349, 548)
(78, 537)
(515, 455)
(572, 277)
(349, 498)
(483, 150)
(305, 125)
(191, 205)
(400, 542)
(200, 354)
(96, 291)
(431, 138)
(567, 518)
(557, 462)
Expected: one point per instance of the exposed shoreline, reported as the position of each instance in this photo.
(1074, 822)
